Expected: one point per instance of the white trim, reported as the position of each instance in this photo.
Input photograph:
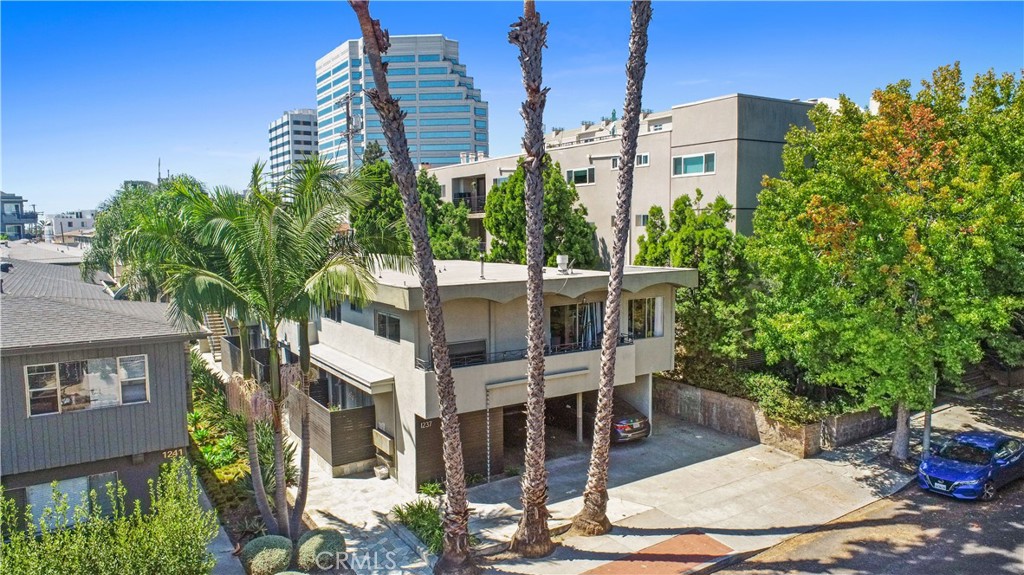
(586, 169)
(60, 407)
(672, 166)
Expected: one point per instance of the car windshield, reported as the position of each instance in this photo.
(965, 453)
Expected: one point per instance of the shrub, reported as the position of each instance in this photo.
(317, 542)
(775, 399)
(170, 538)
(432, 488)
(267, 555)
(423, 518)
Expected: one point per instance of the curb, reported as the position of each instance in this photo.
(410, 539)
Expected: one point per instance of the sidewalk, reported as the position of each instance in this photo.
(355, 505)
(720, 508)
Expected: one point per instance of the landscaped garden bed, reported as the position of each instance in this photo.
(218, 448)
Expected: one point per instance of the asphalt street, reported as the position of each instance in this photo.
(913, 532)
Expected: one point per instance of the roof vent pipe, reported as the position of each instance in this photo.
(563, 263)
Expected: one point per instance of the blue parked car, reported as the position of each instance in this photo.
(973, 465)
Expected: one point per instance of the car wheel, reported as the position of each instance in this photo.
(988, 491)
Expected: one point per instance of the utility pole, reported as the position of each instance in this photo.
(351, 126)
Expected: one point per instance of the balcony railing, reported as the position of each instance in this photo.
(475, 203)
(517, 354)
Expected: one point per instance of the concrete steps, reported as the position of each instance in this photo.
(215, 322)
(976, 383)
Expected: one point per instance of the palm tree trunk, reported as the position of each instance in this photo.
(593, 518)
(901, 439)
(455, 556)
(303, 490)
(277, 395)
(257, 476)
(532, 538)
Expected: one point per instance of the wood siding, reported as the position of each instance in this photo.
(339, 437)
(473, 427)
(57, 440)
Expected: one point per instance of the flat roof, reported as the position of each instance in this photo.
(501, 282)
(741, 95)
(41, 252)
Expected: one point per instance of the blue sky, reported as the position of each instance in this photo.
(92, 93)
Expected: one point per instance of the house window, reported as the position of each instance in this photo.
(387, 326)
(468, 352)
(645, 318)
(641, 220)
(656, 127)
(693, 165)
(580, 176)
(86, 384)
(641, 161)
(576, 326)
(132, 372)
(76, 490)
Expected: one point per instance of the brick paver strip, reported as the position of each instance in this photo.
(674, 556)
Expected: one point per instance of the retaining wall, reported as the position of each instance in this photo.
(743, 418)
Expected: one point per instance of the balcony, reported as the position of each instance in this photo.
(474, 202)
(518, 354)
(231, 358)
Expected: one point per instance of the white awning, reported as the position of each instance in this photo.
(341, 364)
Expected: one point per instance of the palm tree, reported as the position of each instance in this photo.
(279, 261)
(191, 295)
(593, 518)
(318, 196)
(455, 556)
(532, 538)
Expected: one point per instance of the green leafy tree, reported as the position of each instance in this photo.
(116, 249)
(651, 246)
(874, 249)
(566, 229)
(712, 320)
(372, 153)
(993, 159)
(381, 221)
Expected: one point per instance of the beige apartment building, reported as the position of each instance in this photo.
(723, 146)
(376, 402)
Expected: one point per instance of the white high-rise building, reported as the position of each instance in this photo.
(446, 116)
(293, 137)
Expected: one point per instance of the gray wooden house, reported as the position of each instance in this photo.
(91, 388)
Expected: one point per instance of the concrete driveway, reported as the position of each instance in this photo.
(685, 497)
